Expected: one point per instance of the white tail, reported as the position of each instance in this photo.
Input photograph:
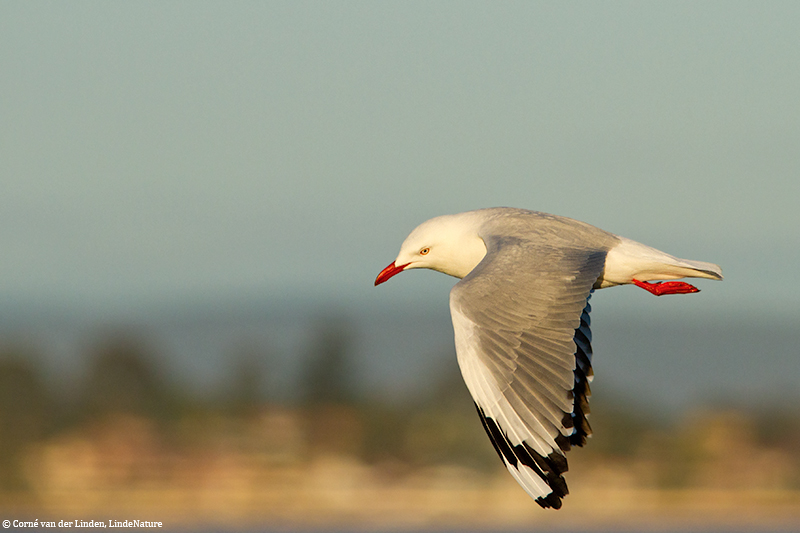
(631, 260)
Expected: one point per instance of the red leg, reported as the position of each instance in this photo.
(666, 287)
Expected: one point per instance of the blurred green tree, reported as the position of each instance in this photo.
(245, 394)
(335, 423)
(123, 379)
(24, 413)
(327, 376)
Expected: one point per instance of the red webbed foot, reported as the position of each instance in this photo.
(666, 287)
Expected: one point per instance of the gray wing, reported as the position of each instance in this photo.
(521, 322)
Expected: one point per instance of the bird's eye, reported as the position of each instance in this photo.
(424, 251)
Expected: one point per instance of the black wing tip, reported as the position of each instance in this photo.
(549, 468)
(551, 501)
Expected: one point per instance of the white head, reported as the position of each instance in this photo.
(448, 244)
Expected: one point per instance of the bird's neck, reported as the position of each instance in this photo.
(466, 255)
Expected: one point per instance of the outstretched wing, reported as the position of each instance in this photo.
(521, 321)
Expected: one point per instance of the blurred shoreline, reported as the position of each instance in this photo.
(308, 469)
(278, 430)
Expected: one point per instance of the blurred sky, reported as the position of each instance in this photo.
(155, 151)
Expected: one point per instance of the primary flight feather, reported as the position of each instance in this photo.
(521, 321)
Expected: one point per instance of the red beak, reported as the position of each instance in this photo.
(388, 272)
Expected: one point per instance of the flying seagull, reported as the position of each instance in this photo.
(521, 321)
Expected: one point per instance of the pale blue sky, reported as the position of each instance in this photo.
(159, 151)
